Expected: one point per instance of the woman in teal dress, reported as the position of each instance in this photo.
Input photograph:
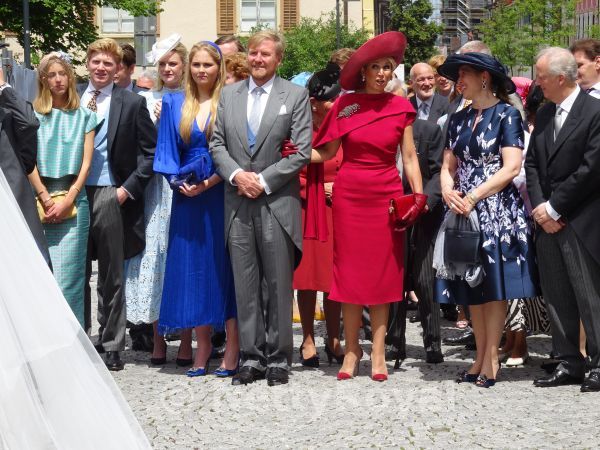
(65, 147)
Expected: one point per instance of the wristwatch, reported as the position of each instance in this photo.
(4, 86)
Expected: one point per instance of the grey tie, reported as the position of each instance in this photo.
(254, 120)
(557, 121)
(423, 111)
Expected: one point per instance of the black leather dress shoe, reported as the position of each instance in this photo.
(434, 357)
(392, 353)
(463, 339)
(558, 378)
(247, 375)
(99, 347)
(591, 383)
(415, 318)
(113, 361)
(277, 376)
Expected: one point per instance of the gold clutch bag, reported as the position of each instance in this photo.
(57, 197)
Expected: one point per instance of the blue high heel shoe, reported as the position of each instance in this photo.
(485, 382)
(198, 371)
(466, 377)
(222, 372)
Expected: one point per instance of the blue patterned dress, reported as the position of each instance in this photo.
(507, 255)
(198, 286)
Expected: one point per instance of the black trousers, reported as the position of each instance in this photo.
(420, 267)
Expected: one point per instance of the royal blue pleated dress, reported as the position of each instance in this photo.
(507, 254)
(198, 285)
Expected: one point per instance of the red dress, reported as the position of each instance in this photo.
(315, 271)
(368, 255)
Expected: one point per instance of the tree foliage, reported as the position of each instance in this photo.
(515, 32)
(310, 44)
(64, 24)
(412, 18)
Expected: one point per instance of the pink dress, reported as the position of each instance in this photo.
(368, 255)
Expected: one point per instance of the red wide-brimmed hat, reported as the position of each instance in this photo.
(390, 44)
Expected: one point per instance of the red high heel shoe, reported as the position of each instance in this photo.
(379, 377)
(341, 376)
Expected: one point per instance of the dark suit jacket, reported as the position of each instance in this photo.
(567, 171)
(430, 148)
(131, 146)
(439, 107)
(18, 155)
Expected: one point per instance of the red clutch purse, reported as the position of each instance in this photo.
(406, 209)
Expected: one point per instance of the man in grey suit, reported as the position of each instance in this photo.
(262, 204)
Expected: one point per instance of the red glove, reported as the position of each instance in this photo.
(406, 215)
(288, 148)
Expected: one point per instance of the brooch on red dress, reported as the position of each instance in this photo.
(348, 110)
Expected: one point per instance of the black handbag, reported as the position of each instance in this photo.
(462, 246)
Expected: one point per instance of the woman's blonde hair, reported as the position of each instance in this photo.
(183, 54)
(43, 101)
(191, 105)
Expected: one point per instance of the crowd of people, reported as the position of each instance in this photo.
(210, 189)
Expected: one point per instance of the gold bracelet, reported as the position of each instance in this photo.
(472, 198)
(76, 188)
(39, 194)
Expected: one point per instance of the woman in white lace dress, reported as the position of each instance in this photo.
(145, 272)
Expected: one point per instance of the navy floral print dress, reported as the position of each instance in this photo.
(507, 255)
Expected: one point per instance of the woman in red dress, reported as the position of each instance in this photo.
(315, 272)
(367, 252)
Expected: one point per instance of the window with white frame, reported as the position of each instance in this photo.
(258, 13)
(116, 21)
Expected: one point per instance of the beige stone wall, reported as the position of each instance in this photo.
(194, 20)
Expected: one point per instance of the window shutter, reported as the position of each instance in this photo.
(289, 14)
(225, 17)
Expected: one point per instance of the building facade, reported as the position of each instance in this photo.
(460, 19)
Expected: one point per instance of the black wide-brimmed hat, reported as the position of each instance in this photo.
(479, 61)
(324, 85)
(390, 44)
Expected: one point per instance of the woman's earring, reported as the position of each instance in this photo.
(363, 78)
(314, 108)
(484, 85)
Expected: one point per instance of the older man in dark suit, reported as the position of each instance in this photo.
(430, 145)
(18, 154)
(121, 167)
(562, 169)
(429, 104)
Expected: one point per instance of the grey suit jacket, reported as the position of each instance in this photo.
(287, 116)
(18, 154)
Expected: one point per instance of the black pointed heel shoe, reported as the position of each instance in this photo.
(313, 361)
(331, 355)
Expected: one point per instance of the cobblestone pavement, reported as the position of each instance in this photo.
(419, 406)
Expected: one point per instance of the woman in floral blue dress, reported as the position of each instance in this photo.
(483, 154)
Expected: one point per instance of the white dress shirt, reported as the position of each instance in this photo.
(594, 91)
(566, 105)
(267, 87)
